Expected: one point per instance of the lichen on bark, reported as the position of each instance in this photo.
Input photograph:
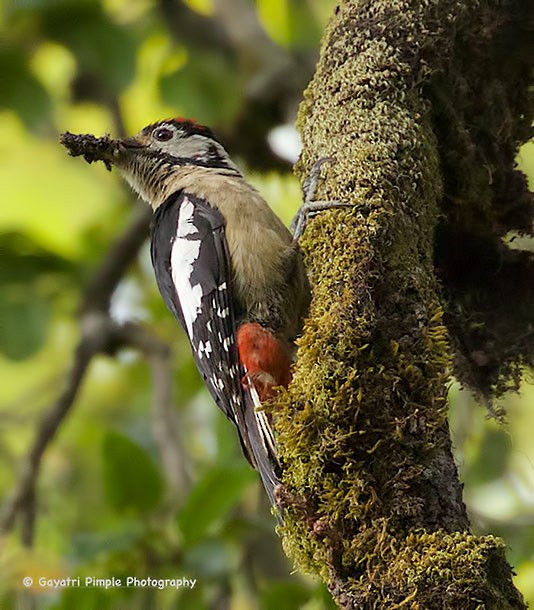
(371, 498)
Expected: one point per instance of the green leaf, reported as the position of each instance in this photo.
(24, 315)
(289, 23)
(85, 598)
(212, 498)
(21, 91)
(493, 456)
(206, 89)
(87, 546)
(192, 599)
(59, 200)
(104, 51)
(284, 596)
(24, 260)
(131, 479)
(274, 16)
(212, 559)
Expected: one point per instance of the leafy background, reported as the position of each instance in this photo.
(108, 505)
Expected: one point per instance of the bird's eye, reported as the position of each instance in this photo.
(162, 134)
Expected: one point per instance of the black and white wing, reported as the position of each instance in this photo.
(190, 257)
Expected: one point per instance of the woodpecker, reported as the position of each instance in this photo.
(226, 266)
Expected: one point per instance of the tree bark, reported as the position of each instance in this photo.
(371, 497)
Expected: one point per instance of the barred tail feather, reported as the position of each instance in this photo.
(261, 442)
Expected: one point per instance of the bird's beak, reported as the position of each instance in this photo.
(129, 143)
(106, 149)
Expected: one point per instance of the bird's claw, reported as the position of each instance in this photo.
(311, 207)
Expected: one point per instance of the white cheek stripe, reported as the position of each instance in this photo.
(184, 253)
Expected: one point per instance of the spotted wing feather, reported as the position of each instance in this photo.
(190, 256)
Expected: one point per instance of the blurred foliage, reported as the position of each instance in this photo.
(106, 507)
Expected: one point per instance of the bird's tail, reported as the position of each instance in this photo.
(261, 443)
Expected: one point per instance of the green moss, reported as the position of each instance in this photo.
(362, 430)
(436, 570)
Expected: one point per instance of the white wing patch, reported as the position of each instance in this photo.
(184, 253)
(185, 219)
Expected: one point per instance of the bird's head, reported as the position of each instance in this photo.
(151, 158)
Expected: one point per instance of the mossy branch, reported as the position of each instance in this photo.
(371, 495)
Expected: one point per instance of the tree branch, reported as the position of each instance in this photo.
(273, 76)
(193, 29)
(371, 493)
(23, 498)
(165, 428)
(97, 296)
(99, 334)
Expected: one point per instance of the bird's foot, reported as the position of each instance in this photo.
(310, 207)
